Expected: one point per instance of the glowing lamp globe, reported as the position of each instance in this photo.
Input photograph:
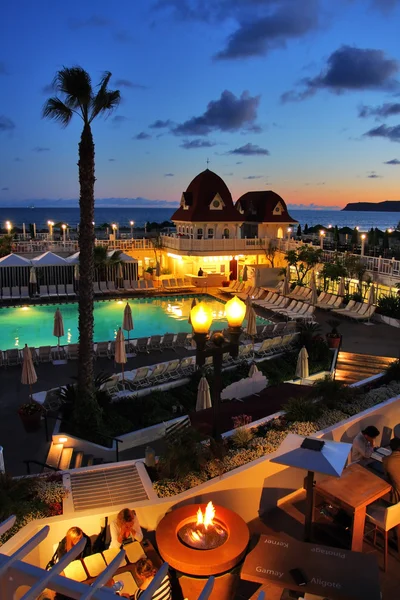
(235, 310)
(201, 318)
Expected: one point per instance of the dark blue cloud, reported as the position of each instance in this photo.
(142, 136)
(253, 177)
(250, 150)
(92, 21)
(169, 174)
(394, 161)
(118, 120)
(161, 124)
(390, 133)
(389, 109)
(40, 149)
(196, 144)
(6, 124)
(127, 83)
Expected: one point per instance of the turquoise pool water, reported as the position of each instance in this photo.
(33, 325)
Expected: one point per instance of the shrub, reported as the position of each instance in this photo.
(389, 306)
(330, 391)
(241, 437)
(241, 420)
(392, 372)
(302, 410)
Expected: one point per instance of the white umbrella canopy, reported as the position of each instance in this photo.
(194, 302)
(286, 285)
(32, 276)
(244, 274)
(203, 395)
(49, 259)
(28, 376)
(341, 291)
(313, 288)
(127, 322)
(58, 328)
(253, 369)
(302, 370)
(251, 328)
(371, 295)
(120, 352)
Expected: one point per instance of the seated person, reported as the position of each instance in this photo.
(146, 572)
(391, 466)
(74, 535)
(363, 444)
(125, 528)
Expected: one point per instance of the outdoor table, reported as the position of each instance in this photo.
(330, 572)
(353, 491)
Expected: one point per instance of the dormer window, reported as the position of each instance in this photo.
(240, 208)
(278, 210)
(217, 203)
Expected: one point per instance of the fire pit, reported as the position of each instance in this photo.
(200, 541)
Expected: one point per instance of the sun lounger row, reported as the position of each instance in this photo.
(57, 291)
(298, 311)
(329, 301)
(300, 293)
(160, 373)
(14, 356)
(272, 301)
(276, 344)
(233, 288)
(137, 286)
(14, 293)
(272, 330)
(359, 311)
(179, 283)
(255, 293)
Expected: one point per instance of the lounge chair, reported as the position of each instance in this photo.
(142, 345)
(150, 285)
(61, 290)
(111, 385)
(72, 351)
(12, 357)
(102, 350)
(248, 292)
(172, 370)
(229, 288)
(53, 291)
(25, 292)
(70, 290)
(5, 293)
(96, 289)
(134, 285)
(168, 341)
(188, 284)
(155, 343)
(34, 355)
(265, 348)
(181, 340)
(45, 354)
(104, 288)
(348, 307)
(43, 291)
(279, 329)
(142, 285)
(140, 379)
(112, 288)
(15, 293)
(127, 286)
(245, 351)
(266, 331)
(187, 365)
(366, 316)
(157, 374)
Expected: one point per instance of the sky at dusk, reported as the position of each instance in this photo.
(298, 96)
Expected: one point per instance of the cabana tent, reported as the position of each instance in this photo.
(14, 271)
(110, 272)
(52, 269)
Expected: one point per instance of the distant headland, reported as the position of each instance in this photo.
(387, 206)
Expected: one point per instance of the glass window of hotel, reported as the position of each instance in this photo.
(210, 233)
(226, 233)
(200, 233)
(191, 233)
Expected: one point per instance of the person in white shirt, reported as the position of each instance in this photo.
(363, 444)
(125, 528)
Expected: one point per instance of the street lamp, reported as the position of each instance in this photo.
(321, 236)
(51, 225)
(289, 231)
(114, 228)
(132, 224)
(8, 227)
(363, 238)
(201, 318)
(64, 230)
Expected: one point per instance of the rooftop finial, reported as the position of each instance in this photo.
(208, 162)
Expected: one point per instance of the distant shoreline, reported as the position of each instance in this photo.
(387, 206)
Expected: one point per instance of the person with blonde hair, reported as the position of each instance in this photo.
(125, 528)
(73, 536)
(146, 571)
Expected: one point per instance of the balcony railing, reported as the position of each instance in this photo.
(213, 245)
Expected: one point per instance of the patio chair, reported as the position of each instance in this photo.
(61, 290)
(24, 292)
(348, 307)
(291, 327)
(265, 347)
(142, 345)
(187, 365)
(111, 386)
(15, 294)
(157, 374)
(229, 288)
(172, 369)
(247, 292)
(96, 289)
(245, 351)
(266, 331)
(53, 291)
(188, 284)
(70, 290)
(279, 329)
(34, 355)
(168, 341)
(276, 345)
(384, 518)
(366, 315)
(72, 351)
(134, 285)
(127, 286)
(140, 379)
(2, 361)
(12, 357)
(104, 288)
(43, 291)
(102, 350)
(155, 343)
(150, 285)
(112, 288)
(45, 354)
(5, 293)
(142, 285)
(165, 283)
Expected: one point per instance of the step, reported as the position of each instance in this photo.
(54, 456)
(65, 459)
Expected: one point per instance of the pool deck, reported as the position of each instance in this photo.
(378, 340)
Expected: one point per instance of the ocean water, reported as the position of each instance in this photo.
(122, 216)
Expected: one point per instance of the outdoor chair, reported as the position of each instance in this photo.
(384, 518)
(45, 354)
(291, 327)
(155, 343)
(127, 286)
(266, 331)
(172, 369)
(70, 290)
(24, 292)
(134, 285)
(15, 294)
(229, 288)
(53, 291)
(187, 365)
(150, 285)
(72, 351)
(12, 357)
(245, 350)
(140, 378)
(189, 284)
(349, 306)
(34, 355)
(5, 293)
(61, 290)
(181, 340)
(157, 374)
(104, 288)
(258, 294)
(142, 345)
(168, 341)
(265, 347)
(2, 360)
(366, 315)
(142, 285)
(279, 328)
(102, 350)
(111, 386)
(43, 291)
(276, 345)
(112, 288)
(96, 289)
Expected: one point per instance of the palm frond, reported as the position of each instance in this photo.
(105, 100)
(55, 109)
(75, 84)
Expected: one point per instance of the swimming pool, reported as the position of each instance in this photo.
(33, 325)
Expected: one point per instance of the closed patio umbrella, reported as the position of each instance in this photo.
(313, 287)
(203, 395)
(76, 272)
(127, 322)
(58, 329)
(302, 364)
(341, 291)
(194, 302)
(253, 369)
(120, 352)
(249, 304)
(32, 276)
(286, 285)
(371, 295)
(251, 328)
(244, 274)
(120, 274)
(28, 376)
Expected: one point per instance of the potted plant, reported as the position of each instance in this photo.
(148, 274)
(30, 414)
(333, 338)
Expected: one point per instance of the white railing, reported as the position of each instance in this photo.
(213, 245)
(73, 246)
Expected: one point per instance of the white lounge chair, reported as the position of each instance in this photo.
(104, 288)
(61, 290)
(43, 291)
(53, 291)
(70, 290)
(15, 293)
(24, 292)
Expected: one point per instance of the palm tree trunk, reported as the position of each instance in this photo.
(89, 410)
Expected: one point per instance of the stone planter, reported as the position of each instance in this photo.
(31, 423)
(333, 342)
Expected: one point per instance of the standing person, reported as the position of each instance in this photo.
(200, 272)
(363, 444)
(125, 528)
(146, 572)
(391, 465)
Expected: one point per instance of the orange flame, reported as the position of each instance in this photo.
(208, 517)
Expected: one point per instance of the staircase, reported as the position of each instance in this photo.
(62, 457)
(352, 367)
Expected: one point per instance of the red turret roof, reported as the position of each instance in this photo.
(263, 207)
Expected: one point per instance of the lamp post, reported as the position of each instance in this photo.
(201, 319)
(51, 225)
(363, 238)
(132, 224)
(114, 228)
(64, 230)
(289, 231)
(8, 227)
(321, 239)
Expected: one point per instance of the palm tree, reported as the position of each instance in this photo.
(78, 97)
